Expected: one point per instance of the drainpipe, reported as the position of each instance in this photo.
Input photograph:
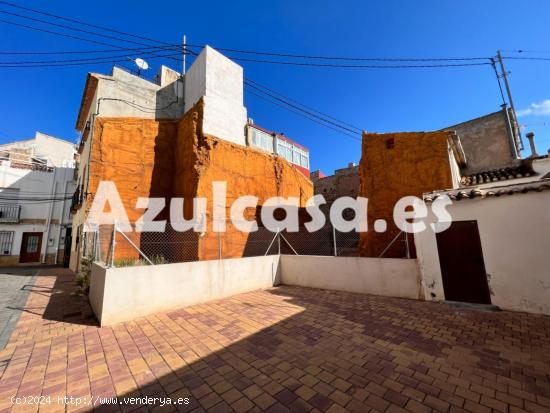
(531, 137)
(50, 212)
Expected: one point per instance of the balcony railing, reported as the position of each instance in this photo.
(78, 198)
(10, 213)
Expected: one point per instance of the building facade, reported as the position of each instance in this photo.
(496, 248)
(344, 182)
(177, 149)
(278, 144)
(490, 141)
(396, 165)
(36, 184)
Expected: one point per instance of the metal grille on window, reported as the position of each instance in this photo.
(6, 241)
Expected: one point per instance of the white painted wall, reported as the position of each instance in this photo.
(126, 95)
(34, 217)
(57, 151)
(379, 276)
(515, 238)
(121, 294)
(219, 81)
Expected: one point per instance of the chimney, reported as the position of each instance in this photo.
(531, 137)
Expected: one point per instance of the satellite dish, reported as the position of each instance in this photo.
(142, 64)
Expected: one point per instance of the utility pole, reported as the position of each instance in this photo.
(505, 77)
(184, 51)
(510, 100)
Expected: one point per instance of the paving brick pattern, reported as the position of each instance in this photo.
(14, 286)
(285, 349)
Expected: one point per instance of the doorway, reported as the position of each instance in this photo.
(68, 246)
(31, 245)
(462, 266)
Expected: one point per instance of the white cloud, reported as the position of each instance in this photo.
(536, 109)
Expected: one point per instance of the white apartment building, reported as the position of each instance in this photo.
(36, 187)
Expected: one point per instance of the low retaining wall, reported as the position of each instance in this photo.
(122, 294)
(392, 277)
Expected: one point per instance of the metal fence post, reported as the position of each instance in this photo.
(113, 242)
(334, 241)
(219, 245)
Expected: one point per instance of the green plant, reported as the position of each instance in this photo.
(134, 262)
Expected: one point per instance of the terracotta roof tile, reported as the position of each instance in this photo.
(471, 193)
(521, 171)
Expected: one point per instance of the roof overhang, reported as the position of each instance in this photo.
(90, 88)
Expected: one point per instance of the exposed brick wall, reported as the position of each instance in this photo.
(394, 165)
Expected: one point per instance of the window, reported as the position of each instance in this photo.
(6, 240)
(262, 140)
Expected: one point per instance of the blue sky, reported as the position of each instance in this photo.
(378, 100)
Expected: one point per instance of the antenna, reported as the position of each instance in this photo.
(141, 64)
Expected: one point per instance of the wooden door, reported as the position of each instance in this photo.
(462, 265)
(31, 245)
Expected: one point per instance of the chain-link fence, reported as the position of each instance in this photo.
(118, 248)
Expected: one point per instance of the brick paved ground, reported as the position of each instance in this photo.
(14, 286)
(286, 348)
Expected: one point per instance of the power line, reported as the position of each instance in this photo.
(305, 106)
(412, 66)
(367, 59)
(299, 108)
(303, 115)
(87, 62)
(65, 52)
(90, 59)
(296, 107)
(69, 28)
(524, 58)
(7, 3)
(57, 33)
(63, 26)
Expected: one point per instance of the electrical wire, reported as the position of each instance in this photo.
(70, 28)
(63, 26)
(87, 61)
(7, 3)
(309, 113)
(303, 115)
(64, 52)
(367, 59)
(525, 58)
(411, 66)
(303, 105)
(37, 62)
(57, 33)
(292, 105)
